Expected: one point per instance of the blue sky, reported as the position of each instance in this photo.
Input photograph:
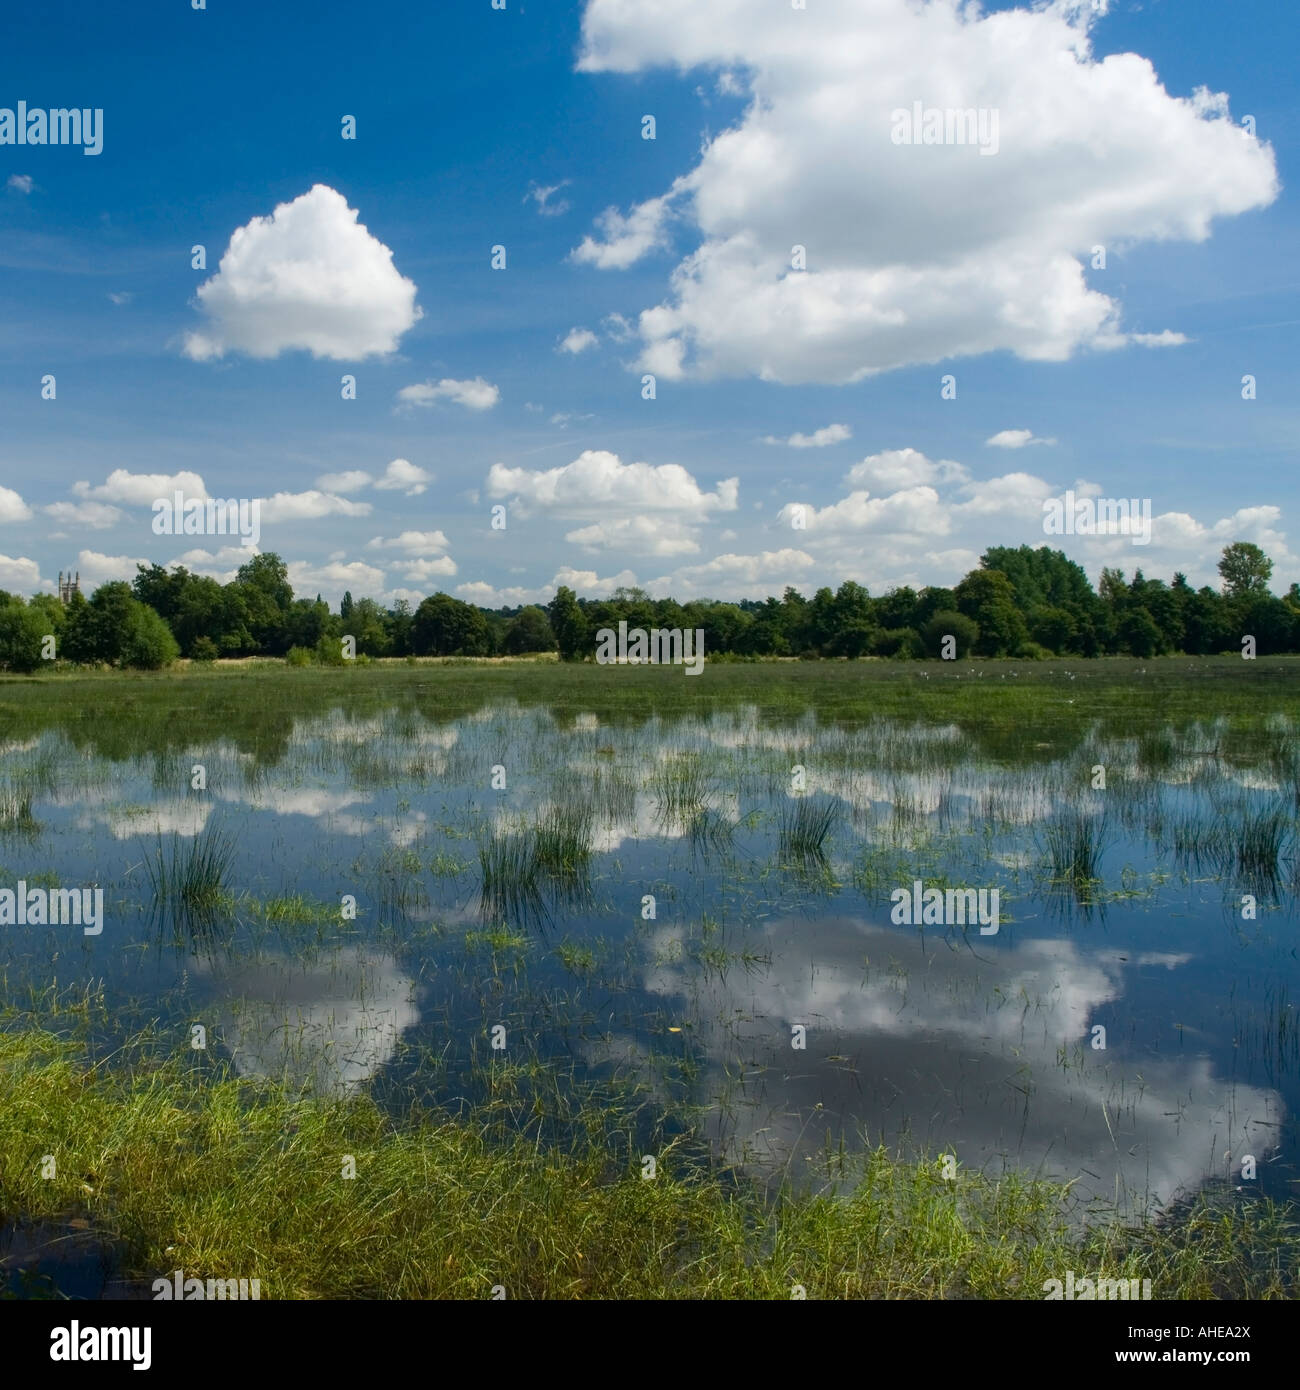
(771, 131)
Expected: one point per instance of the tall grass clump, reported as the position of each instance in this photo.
(1074, 842)
(16, 812)
(189, 874)
(561, 843)
(681, 789)
(1258, 835)
(519, 869)
(805, 824)
(508, 888)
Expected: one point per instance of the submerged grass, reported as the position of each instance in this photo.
(188, 1167)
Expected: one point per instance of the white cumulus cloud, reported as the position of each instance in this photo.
(599, 484)
(1015, 439)
(410, 541)
(309, 277)
(96, 568)
(142, 489)
(818, 439)
(308, 506)
(12, 506)
(98, 516)
(578, 340)
(640, 535)
(421, 571)
(404, 476)
(19, 574)
(477, 394)
(351, 480)
(915, 253)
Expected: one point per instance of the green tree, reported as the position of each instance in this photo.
(23, 630)
(444, 626)
(147, 643)
(987, 599)
(569, 624)
(1245, 569)
(367, 624)
(529, 632)
(1054, 628)
(1270, 621)
(950, 624)
(854, 620)
(264, 585)
(897, 608)
(1139, 633)
(98, 629)
(1039, 576)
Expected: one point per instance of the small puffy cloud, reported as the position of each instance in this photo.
(12, 506)
(120, 297)
(618, 328)
(308, 277)
(332, 580)
(899, 468)
(19, 574)
(818, 439)
(353, 480)
(1167, 338)
(564, 418)
(410, 541)
(639, 535)
(1013, 494)
(1015, 439)
(98, 516)
(97, 569)
(486, 595)
(912, 510)
(588, 584)
(598, 484)
(142, 489)
(20, 183)
(403, 476)
(541, 194)
(308, 506)
(477, 394)
(734, 576)
(578, 340)
(222, 565)
(421, 571)
(624, 239)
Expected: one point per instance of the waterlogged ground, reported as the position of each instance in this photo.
(669, 875)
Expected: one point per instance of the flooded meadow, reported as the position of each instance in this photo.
(675, 919)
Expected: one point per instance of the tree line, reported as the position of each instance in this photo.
(1023, 602)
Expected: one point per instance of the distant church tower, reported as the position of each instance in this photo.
(68, 586)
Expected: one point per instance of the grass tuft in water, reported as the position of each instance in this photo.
(805, 824)
(189, 874)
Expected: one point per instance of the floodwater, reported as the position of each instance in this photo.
(705, 919)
